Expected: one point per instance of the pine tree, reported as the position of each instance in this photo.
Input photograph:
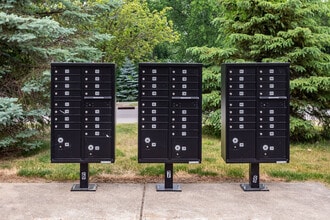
(30, 39)
(127, 82)
(281, 31)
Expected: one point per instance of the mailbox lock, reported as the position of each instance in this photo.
(177, 147)
(235, 140)
(265, 147)
(147, 140)
(60, 140)
(90, 147)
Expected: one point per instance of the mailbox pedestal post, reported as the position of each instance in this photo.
(84, 175)
(168, 186)
(254, 177)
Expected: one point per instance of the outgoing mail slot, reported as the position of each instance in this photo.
(273, 104)
(98, 104)
(185, 104)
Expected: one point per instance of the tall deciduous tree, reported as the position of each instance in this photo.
(192, 19)
(281, 31)
(136, 31)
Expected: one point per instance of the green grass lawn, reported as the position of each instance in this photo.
(307, 162)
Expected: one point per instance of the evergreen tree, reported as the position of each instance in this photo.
(127, 82)
(29, 40)
(280, 31)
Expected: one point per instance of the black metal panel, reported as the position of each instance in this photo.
(255, 112)
(83, 112)
(170, 112)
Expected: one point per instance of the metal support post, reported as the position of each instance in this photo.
(168, 186)
(84, 175)
(254, 179)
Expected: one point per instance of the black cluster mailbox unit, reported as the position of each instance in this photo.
(82, 115)
(169, 115)
(255, 115)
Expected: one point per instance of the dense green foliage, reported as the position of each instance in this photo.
(192, 19)
(33, 33)
(279, 31)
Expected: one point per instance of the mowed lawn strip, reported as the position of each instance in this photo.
(307, 162)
